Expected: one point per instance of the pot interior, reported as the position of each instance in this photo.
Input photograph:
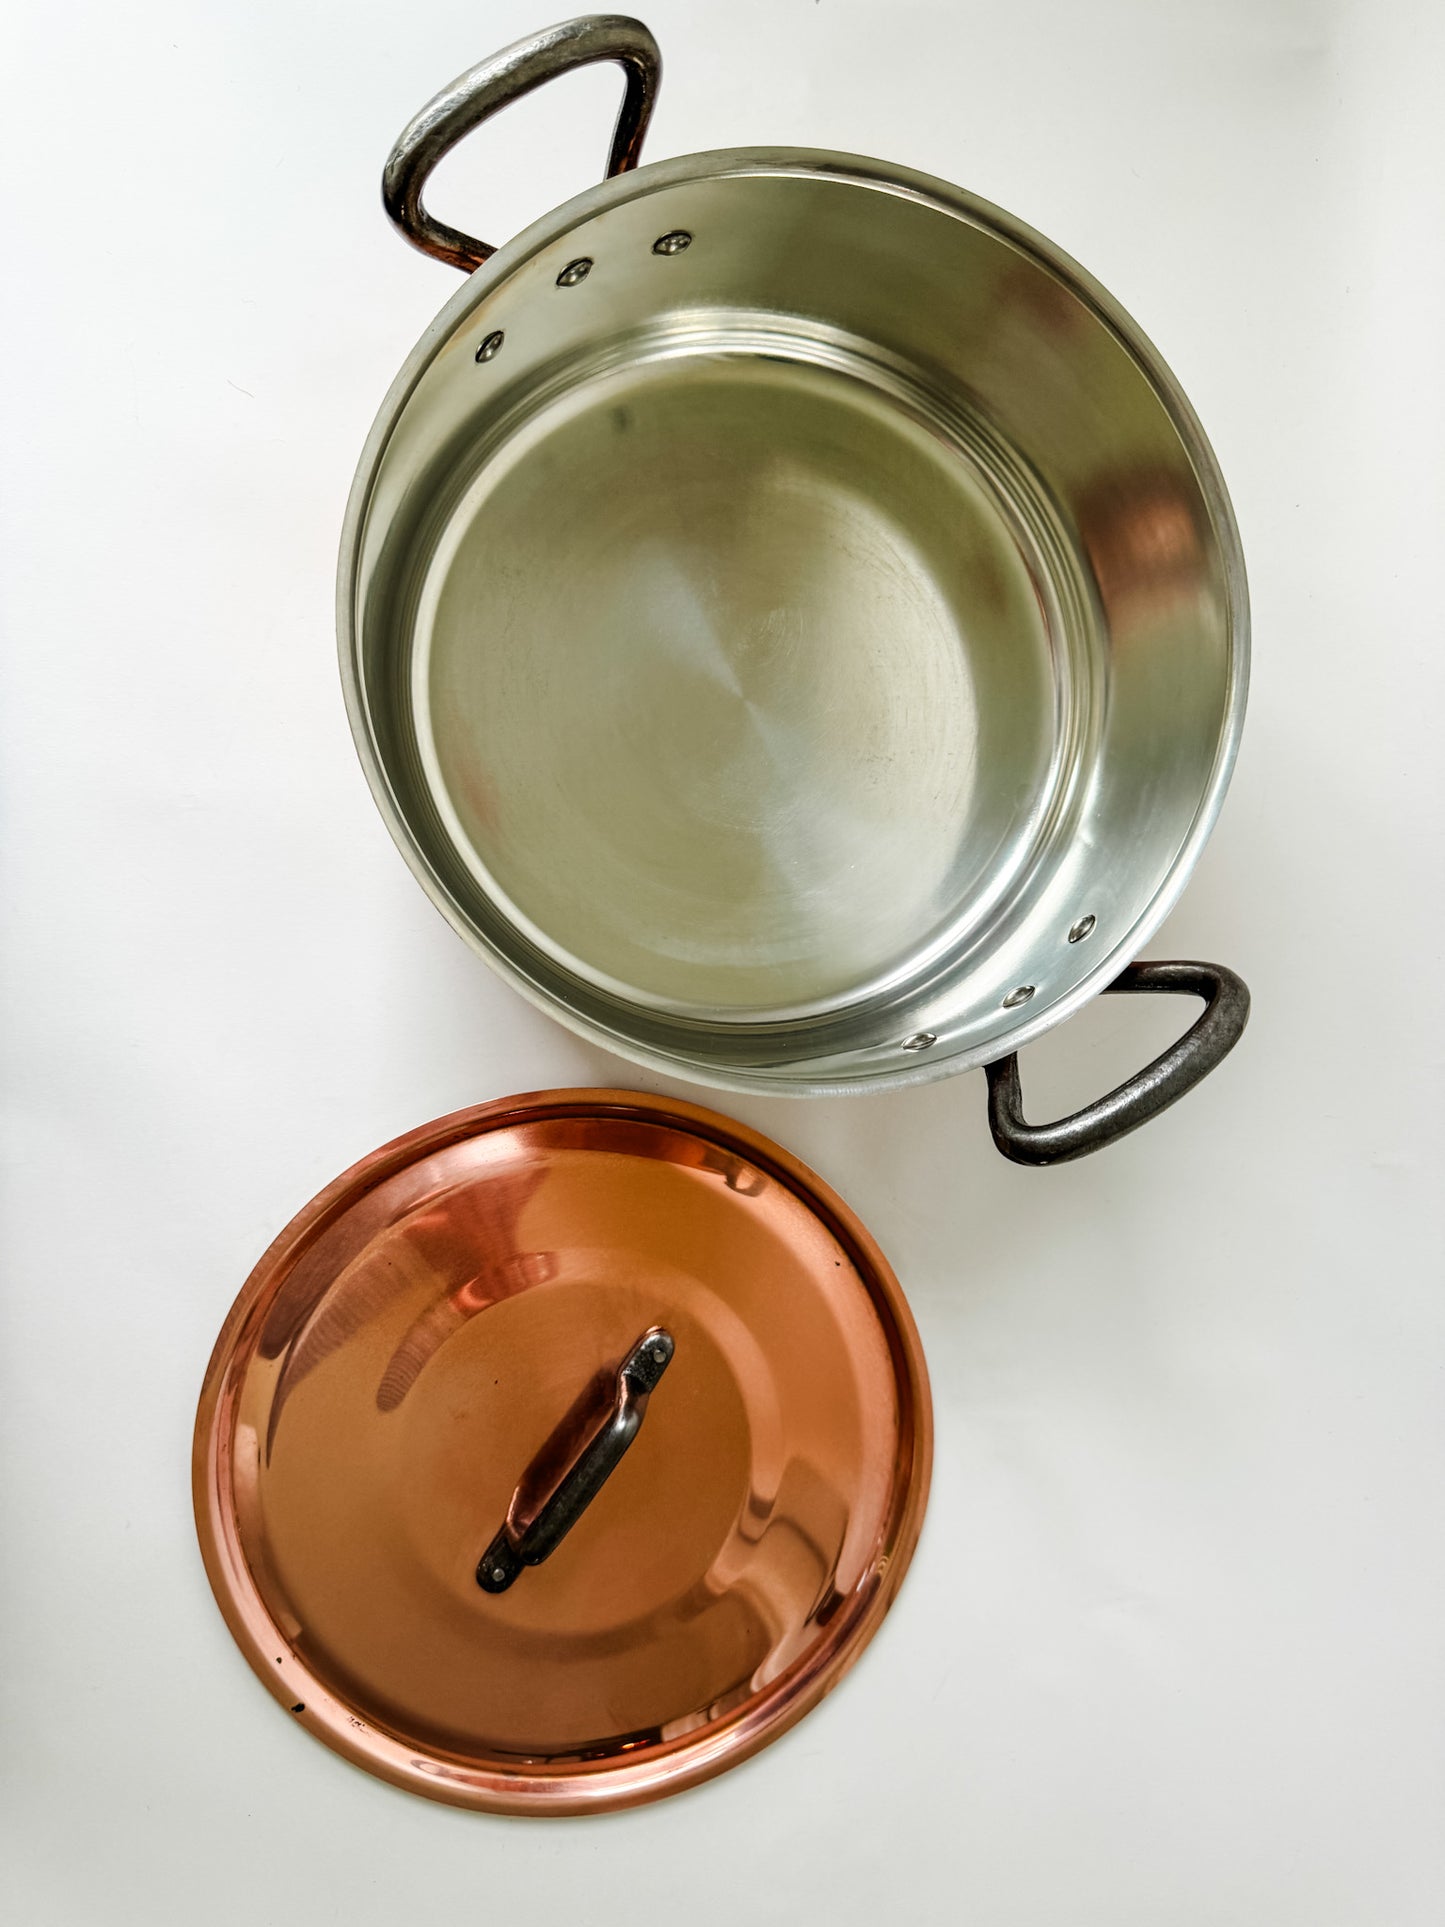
(770, 650)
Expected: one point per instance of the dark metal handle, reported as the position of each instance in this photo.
(1157, 1086)
(563, 1480)
(493, 84)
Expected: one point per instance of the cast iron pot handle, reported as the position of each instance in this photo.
(485, 89)
(1160, 1084)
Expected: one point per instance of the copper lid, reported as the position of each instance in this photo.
(611, 1536)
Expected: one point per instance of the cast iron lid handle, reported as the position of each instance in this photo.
(1199, 1051)
(493, 84)
(563, 1480)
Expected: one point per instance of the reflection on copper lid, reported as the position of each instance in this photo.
(443, 1333)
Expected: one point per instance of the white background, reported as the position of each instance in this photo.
(1171, 1654)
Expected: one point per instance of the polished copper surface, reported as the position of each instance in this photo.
(408, 1361)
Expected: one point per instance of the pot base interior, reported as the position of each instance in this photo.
(737, 675)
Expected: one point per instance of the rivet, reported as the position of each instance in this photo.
(574, 272)
(490, 346)
(1019, 996)
(659, 1356)
(920, 1040)
(498, 1574)
(1081, 929)
(673, 242)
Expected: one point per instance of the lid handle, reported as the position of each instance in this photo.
(493, 84)
(574, 1464)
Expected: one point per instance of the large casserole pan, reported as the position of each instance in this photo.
(792, 621)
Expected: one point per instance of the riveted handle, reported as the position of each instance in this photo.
(493, 84)
(1177, 1070)
(574, 1464)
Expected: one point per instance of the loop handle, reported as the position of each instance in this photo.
(1177, 1070)
(493, 84)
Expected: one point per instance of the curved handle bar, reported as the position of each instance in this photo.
(532, 1531)
(493, 84)
(1177, 1070)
